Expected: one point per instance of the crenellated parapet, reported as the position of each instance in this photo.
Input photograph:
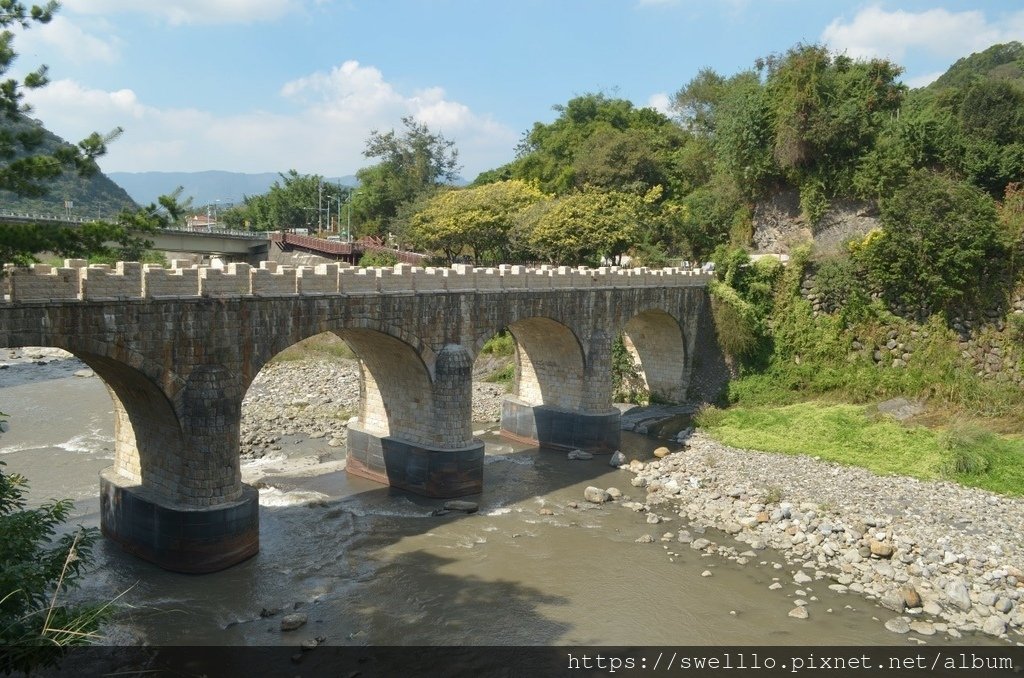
(77, 280)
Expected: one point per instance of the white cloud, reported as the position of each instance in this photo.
(922, 80)
(68, 39)
(875, 32)
(179, 12)
(333, 115)
(660, 102)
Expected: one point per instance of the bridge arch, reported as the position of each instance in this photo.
(549, 360)
(655, 341)
(146, 425)
(395, 387)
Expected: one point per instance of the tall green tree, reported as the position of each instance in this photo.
(940, 244)
(293, 201)
(22, 171)
(25, 171)
(479, 218)
(598, 141)
(591, 225)
(412, 163)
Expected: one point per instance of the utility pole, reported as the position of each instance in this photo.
(320, 206)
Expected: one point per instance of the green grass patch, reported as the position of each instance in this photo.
(326, 346)
(505, 375)
(501, 344)
(845, 434)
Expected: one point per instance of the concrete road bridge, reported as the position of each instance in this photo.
(178, 348)
(250, 245)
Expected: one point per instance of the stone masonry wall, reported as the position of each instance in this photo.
(180, 353)
(76, 280)
(983, 336)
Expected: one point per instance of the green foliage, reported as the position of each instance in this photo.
(743, 136)
(591, 225)
(1003, 62)
(628, 385)
(967, 446)
(1015, 327)
(292, 202)
(599, 141)
(742, 298)
(380, 259)
(413, 164)
(706, 217)
(940, 243)
(36, 566)
(840, 283)
(709, 417)
(479, 218)
(504, 375)
(501, 344)
(846, 435)
(25, 168)
(736, 324)
(698, 102)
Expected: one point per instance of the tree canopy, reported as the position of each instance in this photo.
(412, 164)
(294, 201)
(480, 219)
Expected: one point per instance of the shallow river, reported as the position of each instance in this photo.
(373, 566)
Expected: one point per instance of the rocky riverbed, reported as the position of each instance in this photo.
(316, 399)
(946, 558)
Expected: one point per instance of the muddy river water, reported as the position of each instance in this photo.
(372, 566)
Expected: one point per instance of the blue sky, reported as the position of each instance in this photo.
(271, 85)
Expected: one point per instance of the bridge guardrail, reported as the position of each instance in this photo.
(8, 215)
(77, 281)
(65, 219)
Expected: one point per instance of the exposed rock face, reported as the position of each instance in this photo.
(779, 224)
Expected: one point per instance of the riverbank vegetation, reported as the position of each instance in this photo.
(37, 568)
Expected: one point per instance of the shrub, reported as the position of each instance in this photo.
(735, 323)
(967, 446)
(501, 344)
(1015, 327)
(35, 568)
(382, 259)
(506, 375)
(940, 245)
(838, 283)
(628, 385)
(708, 416)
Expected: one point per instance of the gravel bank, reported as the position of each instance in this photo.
(316, 398)
(947, 559)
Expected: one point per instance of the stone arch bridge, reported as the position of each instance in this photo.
(178, 347)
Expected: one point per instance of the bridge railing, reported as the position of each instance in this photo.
(77, 281)
(8, 215)
(217, 232)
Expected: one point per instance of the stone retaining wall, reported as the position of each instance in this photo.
(983, 337)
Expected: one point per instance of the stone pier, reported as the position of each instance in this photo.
(178, 347)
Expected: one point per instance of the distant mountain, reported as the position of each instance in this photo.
(999, 62)
(205, 188)
(95, 196)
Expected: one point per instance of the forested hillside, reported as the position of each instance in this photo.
(93, 196)
(607, 178)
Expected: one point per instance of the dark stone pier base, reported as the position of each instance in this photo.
(423, 470)
(195, 541)
(560, 429)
